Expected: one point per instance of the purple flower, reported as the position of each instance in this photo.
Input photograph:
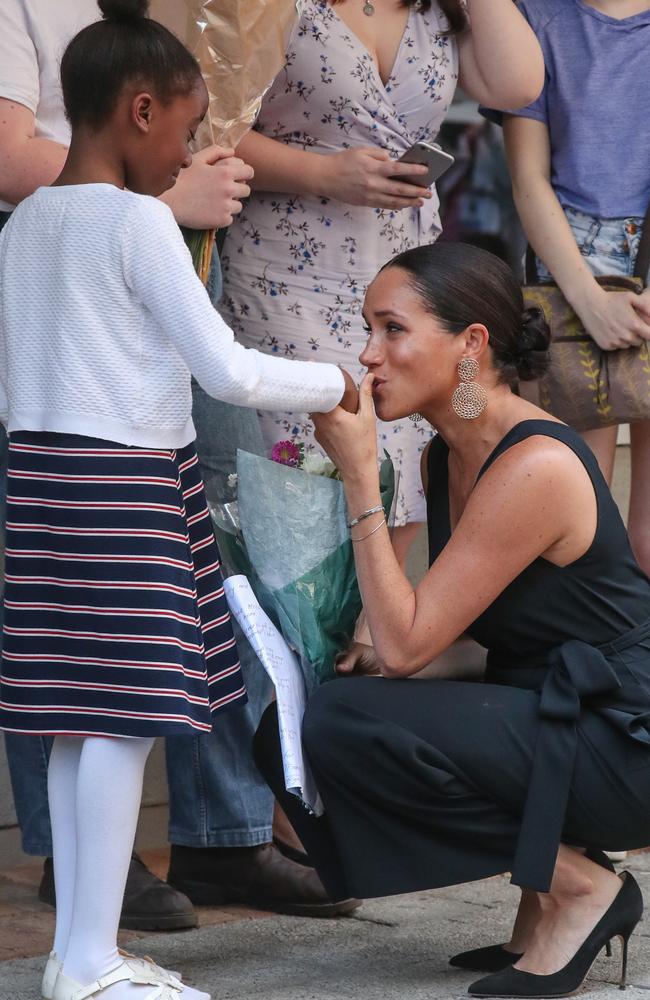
(287, 453)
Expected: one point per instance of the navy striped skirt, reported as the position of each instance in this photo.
(115, 620)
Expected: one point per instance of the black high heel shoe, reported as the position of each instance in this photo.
(618, 921)
(492, 958)
(495, 957)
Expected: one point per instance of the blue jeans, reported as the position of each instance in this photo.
(609, 246)
(217, 798)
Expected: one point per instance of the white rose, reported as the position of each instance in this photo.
(318, 465)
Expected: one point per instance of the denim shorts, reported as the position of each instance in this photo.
(609, 246)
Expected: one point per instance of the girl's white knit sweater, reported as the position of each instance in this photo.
(103, 321)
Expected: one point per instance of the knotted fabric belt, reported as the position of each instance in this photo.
(572, 675)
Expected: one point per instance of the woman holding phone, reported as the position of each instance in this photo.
(361, 84)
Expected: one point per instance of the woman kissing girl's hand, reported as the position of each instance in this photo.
(350, 438)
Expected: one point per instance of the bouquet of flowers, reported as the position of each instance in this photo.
(288, 534)
(240, 46)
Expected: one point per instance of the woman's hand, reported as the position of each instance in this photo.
(614, 319)
(358, 659)
(208, 194)
(365, 177)
(350, 439)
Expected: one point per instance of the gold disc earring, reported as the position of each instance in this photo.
(469, 398)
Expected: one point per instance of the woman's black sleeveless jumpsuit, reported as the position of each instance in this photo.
(429, 783)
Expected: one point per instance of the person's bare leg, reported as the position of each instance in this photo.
(603, 444)
(638, 525)
(581, 892)
(528, 916)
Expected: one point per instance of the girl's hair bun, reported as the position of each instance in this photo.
(532, 357)
(123, 10)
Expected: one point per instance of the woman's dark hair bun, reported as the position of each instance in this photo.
(533, 357)
(123, 10)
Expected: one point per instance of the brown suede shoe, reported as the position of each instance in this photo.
(149, 903)
(258, 876)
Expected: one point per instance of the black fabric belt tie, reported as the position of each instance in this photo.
(573, 676)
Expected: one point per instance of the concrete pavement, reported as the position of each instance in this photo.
(392, 949)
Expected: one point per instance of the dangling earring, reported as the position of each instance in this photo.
(416, 417)
(469, 398)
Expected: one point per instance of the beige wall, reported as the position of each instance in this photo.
(172, 13)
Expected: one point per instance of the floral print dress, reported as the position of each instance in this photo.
(296, 267)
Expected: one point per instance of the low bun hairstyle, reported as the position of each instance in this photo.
(462, 284)
(125, 46)
(535, 340)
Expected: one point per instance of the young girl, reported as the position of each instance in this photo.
(579, 163)
(116, 627)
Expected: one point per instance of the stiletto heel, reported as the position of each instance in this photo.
(618, 921)
(495, 957)
(623, 982)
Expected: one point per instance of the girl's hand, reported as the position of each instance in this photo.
(358, 659)
(208, 194)
(350, 398)
(364, 177)
(350, 439)
(614, 319)
(642, 305)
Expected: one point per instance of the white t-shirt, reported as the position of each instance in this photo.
(102, 319)
(33, 37)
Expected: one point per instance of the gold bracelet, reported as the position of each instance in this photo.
(370, 532)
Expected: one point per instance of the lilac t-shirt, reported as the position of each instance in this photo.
(596, 104)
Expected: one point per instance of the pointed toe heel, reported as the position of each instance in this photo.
(492, 958)
(495, 957)
(618, 921)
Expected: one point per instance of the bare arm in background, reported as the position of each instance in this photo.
(501, 62)
(613, 319)
(206, 196)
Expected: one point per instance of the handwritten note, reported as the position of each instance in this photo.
(283, 668)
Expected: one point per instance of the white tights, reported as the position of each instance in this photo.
(95, 788)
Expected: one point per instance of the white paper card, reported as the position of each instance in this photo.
(284, 670)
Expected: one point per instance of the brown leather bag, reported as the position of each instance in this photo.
(586, 386)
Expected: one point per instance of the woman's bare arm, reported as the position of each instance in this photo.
(535, 499)
(501, 62)
(206, 195)
(609, 317)
(26, 162)
(356, 176)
